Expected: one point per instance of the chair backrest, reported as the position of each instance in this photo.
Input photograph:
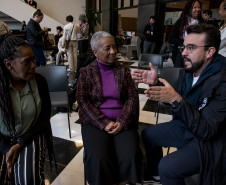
(145, 59)
(56, 77)
(134, 40)
(169, 74)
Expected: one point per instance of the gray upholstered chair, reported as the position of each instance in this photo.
(134, 46)
(56, 77)
(145, 59)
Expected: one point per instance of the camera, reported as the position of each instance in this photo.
(49, 29)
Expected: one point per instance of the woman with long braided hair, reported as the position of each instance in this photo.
(25, 111)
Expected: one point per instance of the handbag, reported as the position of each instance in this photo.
(68, 41)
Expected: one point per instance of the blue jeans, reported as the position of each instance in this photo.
(149, 47)
(40, 59)
(174, 167)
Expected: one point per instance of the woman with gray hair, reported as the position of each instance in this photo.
(108, 111)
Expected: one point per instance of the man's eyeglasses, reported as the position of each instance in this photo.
(189, 47)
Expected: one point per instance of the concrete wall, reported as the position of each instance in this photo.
(59, 9)
(55, 11)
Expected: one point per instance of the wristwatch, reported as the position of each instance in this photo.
(175, 103)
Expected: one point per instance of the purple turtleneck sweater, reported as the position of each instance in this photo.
(111, 107)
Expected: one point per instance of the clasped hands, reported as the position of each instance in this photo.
(113, 128)
(165, 93)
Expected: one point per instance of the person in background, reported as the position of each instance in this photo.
(83, 35)
(25, 111)
(32, 3)
(24, 30)
(24, 26)
(61, 51)
(190, 15)
(151, 32)
(70, 42)
(208, 19)
(59, 34)
(3, 28)
(222, 12)
(35, 37)
(109, 111)
(198, 127)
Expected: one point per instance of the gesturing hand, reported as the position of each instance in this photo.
(145, 76)
(164, 93)
(11, 157)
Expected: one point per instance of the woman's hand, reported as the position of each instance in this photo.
(117, 127)
(11, 157)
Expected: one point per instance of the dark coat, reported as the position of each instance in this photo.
(90, 96)
(203, 111)
(156, 33)
(175, 41)
(35, 34)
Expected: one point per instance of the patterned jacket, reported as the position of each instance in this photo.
(90, 96)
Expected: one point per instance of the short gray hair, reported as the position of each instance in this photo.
(96, 39)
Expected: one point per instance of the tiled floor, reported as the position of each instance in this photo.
(69, 152)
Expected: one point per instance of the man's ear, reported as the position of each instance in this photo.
(8, 64)
(211, 52)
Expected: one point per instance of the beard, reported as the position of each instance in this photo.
(194, 66)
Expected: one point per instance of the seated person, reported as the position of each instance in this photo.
(32, 3)
(198, 128)
(61, 50)
(49, 46)
(109, 111)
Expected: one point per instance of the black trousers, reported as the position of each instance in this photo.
(110, 158)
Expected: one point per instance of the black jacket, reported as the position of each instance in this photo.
(156, 32)
(35, 34)
(203, 111)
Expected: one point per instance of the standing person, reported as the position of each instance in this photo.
(24, 26)
(208, 19)
(109, 111)
(25, 111)
(151, 32)
(222, 12)
(59, 34)
(35, 37)
(190, 15)
(70, 42)
(3, 28)
(83, 35)
(198, 100)
(32, 3)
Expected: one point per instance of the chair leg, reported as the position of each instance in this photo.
(69, 126)
(157, 116)
(168, 150)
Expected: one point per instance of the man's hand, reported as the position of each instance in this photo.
(146, 76)
(165, 93)
(11, 157)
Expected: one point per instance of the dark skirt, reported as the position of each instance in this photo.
(110, 159)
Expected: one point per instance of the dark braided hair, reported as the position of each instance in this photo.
(9, 45)
(187, 12)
